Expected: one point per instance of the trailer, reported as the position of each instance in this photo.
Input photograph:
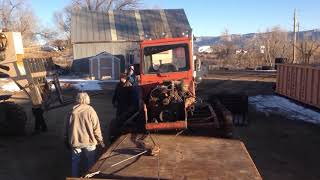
(170, 156)
(163, 73)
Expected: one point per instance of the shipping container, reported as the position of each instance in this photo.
(299, 82)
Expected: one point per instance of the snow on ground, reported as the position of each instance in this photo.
(280, 105)
(84, 84)
(89, 85)
(271, 70)
(8, 85)
(81, 84)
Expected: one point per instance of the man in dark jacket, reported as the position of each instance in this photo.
(122, 94)
(122, 101)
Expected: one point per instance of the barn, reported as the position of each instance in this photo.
(118, 33)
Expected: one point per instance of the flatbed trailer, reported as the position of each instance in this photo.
(137, 156)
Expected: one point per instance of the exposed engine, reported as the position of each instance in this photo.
(167, 102)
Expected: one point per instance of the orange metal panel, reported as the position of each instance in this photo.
(309, 85)
(299, 75)
(166, 126)
(303, 84)
(314, 87)
(284, 78)
(279, 80)
(299, 82)
(289, 81)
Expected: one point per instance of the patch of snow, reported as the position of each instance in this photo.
(271, 70)
(73, 80)
(279, 105)
(89, 85)
(84, 84)
(8, 85)
(80, 84)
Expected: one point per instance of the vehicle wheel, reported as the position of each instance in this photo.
(13, 119)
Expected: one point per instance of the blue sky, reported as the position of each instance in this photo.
(211, 17)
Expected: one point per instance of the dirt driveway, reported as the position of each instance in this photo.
(281, 148)
(44, 156)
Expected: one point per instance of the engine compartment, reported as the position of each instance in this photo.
(167, 102)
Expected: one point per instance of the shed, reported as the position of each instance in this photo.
(105, 66)
(119, 32)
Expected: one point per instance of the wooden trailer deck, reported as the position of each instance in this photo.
(180, 157)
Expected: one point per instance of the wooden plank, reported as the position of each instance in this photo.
(309, 86)
(39, 74)
(314, 89)
(181, 157)
(299, 74)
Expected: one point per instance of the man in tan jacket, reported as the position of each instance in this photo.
(83, 133)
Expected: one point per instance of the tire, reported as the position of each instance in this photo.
(13, 119)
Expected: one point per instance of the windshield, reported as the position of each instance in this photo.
(167, 58)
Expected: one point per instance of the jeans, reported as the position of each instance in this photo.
(90, 154)
(40, 122)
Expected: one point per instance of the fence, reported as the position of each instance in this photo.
(299, 82)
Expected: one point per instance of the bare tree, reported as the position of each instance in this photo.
(276, 44)
(227, 43)
(224, 50)
(105, 5)
(8, 10)
(17, 15)
(307, 48)
(63, 22)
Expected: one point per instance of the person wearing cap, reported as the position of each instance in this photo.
(83, 133)
(135, 98)
(131, 76)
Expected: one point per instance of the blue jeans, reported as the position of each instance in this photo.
(90, 154)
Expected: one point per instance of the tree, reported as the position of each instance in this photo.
(63, 18)
(276, 44)
(105, 5)
(16, 15)
(227, 43)
(307, 48)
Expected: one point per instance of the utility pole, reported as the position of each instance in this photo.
(294, 36)
(298, 33)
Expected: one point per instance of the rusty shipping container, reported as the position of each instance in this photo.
(299, 82)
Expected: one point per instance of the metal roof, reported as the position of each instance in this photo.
(127, 25)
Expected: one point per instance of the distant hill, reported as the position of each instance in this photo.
(212, 40)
